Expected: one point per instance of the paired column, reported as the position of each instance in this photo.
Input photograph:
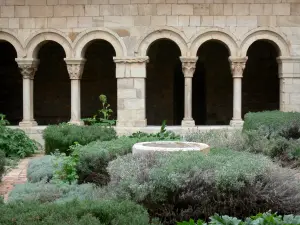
(188, 68)
(237, 68)
(75, 69)
(27, 67)
(131, 74)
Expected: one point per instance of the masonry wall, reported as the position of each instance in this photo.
(132, 20)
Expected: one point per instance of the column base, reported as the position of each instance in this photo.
(133, 123)
(237, 123)
(188, 123)
(76, 122)
(31, 123)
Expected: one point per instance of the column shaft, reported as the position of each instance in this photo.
(75, 69)
(237, 98)
(188, 98)
(188, 68)
(27, 104)
(75, 102)
(237, 68)
(28, 68)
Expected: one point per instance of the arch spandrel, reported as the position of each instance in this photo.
(83, 39)
(164, 33)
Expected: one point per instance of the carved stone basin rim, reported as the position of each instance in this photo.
(169, 146)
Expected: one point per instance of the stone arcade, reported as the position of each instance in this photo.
(185, 61)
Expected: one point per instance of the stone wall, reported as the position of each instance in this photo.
(131, 26)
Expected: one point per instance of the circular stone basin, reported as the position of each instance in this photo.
(169, 146)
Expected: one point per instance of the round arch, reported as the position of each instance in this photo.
(83, 39)
(14, 41)
(35, 41)
(166, 33)
(217, 34)
(267, 34)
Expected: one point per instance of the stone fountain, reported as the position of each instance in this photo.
(169, 146)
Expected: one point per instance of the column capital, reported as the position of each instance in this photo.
(28, 67)
(288, 59)
(237, 66)
(188, 65)
(129, 60)
(131, 67)
(75, 67)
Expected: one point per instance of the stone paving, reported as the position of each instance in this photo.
(17, 175)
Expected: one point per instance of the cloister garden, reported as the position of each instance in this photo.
(88, 175)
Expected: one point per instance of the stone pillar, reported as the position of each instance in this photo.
(75, 69)
(131, 74)
(289, 75)
(237, 69)
(188, 68)
(28, 67)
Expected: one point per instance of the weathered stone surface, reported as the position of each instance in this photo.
(132, 27)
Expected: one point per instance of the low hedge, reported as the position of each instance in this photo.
(2, 163)
(44, 192)
(274, 121)
(40, 169)
(61, 137)
(93, 160)
(94, 157)
(179, 186)
(106, 212)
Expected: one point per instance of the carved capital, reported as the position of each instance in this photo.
(75, 68)
(188, 65)
(28, 67)
(237, 66)
(131, 60)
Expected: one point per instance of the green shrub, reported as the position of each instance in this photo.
(61, 137)
(261, 218)
(272, 121)
(50, 192)
(231, 139)
(179, 186)
(94, 157)
(41, 169)
(93, 160)
(14, 142)
(2, 163)
(76, 213)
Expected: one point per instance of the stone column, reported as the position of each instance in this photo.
(289, 75)
(237, 68)
(188, 68)
(131, 74)
(28, 67)
(75, 69)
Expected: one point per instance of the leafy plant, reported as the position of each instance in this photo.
(192, 222)
(260, 219)
(163, 134)
(14, 142)
(3, 121)
(103, 115)
(65, 166)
